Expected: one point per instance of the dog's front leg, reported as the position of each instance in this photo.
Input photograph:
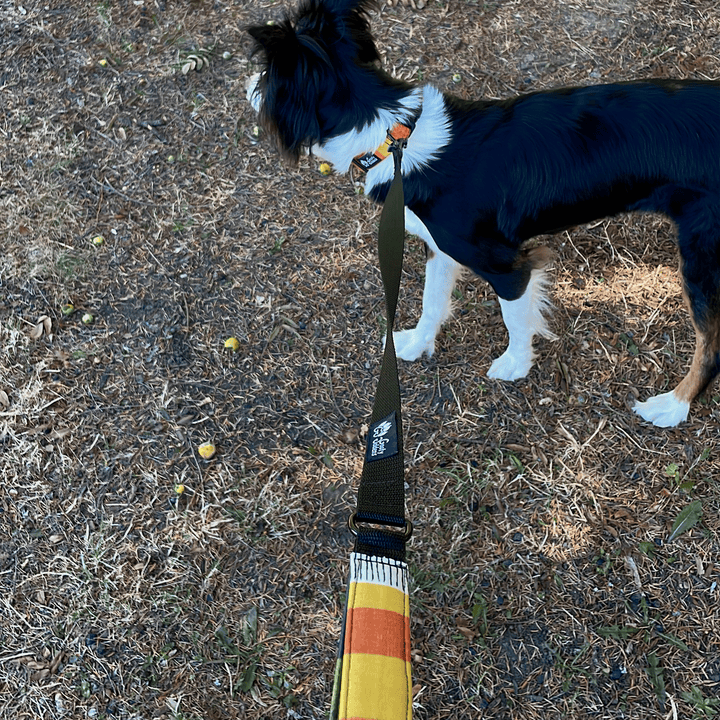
(441, 273)
(524, 318)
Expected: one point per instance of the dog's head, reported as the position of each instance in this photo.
(316, 68)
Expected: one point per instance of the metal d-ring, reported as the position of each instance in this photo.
(404, 535)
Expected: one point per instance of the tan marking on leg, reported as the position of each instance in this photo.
(540, 256)
(704, 364)
(696, 378)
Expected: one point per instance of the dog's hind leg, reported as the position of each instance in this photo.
(524, 318)
(671, 408)
(699, 242)
(441, 273)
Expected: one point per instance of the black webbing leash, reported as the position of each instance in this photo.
(379, 522)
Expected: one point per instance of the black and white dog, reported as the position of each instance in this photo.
(482, 177)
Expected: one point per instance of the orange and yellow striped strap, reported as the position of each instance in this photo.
(376, 681)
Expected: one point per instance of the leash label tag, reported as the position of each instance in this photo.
(382, 439)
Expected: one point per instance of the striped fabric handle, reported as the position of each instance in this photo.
(373, 679)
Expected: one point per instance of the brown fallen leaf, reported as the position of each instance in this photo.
(43, 325)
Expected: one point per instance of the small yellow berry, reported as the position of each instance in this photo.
(179, 489)
(233, 344)
(206, 450)
(325, 169)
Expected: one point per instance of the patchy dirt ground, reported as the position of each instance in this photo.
(544, 583)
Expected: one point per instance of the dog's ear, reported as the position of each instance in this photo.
(355, 24)
(271, 37)
(281, 42)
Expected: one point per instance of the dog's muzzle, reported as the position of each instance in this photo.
(252, 91)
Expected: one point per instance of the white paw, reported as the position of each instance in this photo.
(663, 410)
(510, 367)
(411, 344)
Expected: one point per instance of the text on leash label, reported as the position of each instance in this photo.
(382, 439)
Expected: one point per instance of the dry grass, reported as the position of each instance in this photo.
(543, 580)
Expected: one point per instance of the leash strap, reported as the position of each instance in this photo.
(373, 673)
(373, 679)
(381, 495)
